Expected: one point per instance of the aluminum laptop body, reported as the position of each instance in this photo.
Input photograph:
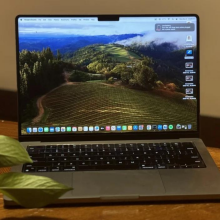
(115, 82)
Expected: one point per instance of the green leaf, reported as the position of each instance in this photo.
(12, 153)
(31, 191)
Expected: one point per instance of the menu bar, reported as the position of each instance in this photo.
(95, 19)
(51, 19)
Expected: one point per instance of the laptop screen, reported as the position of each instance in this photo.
(82, 75)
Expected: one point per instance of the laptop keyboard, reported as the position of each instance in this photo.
(143, 156)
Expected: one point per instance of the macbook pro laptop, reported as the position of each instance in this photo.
(109, 105)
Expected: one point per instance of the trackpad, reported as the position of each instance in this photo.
(108, 183)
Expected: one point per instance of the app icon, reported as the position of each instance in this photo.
(96, 128)
(29, 130)
(165, 127)
(135, 127)
(184, 127)
(46, 129)
(189, 91)
(91, 128)
(130, 127)
(189, 38)
(107, 128)
(189, 126)
(154, 127)
(74, 129)
(68, 129)
(189, 65)
(189, 78)
(40, 129)
(141, 127)
(171, 127)
(80, 128)
(102, 128)
(63, 129)
(158, 27)
(124, 127)
(189, 54)
(85, 128)
(34, 129)
(57, 129)
(51, 129)
(113, 128)
(148, 127)
(118, 127)
(178, 126)
(159, 127)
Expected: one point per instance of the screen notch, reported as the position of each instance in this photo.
(108, 18)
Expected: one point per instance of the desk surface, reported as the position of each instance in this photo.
(194, 211)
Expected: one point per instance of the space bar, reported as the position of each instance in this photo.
(109, 167)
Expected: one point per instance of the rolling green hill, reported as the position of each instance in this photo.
(119, 53)
(103, 53)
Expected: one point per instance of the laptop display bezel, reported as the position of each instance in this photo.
(111, 136)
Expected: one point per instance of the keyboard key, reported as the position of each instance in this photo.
(108, 162)
(84, 163)
(121, 162)
(186, 166)
(109, 167)
(64, 146)
(70, 163)
(95, 146)
(27, 165)
(64, 159)
(42, 169)
(51, 147)
(199, 166)
(161, 166)
(62, 154)
(57, 164)
(56, 169)
(36, 147)
(94, 163)
(69, 168)
(142, 145)
(35, 160)
(33, 151)
(173, 166)
(52, 155)
(73, 154)
(53, 159)
(29, 169)
(147, 166)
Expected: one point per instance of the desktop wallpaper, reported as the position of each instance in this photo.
(105, 74)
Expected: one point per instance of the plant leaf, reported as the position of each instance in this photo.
(31, 191)
(12, 153)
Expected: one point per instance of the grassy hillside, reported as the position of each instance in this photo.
(97, 103)
(104, 53)
(120, 54)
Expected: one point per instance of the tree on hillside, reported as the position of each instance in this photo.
(59, 56)
(40, 71)
(144, 74)
(124, 72)
(79, 76)
(47, 54)
(24, 75)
